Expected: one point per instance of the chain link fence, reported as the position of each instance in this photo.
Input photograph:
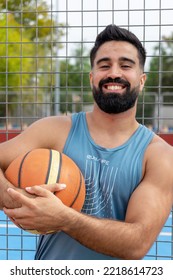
(44, 69)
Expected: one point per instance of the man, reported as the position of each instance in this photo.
(127, 168)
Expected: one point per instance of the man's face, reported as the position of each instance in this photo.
(116, 77)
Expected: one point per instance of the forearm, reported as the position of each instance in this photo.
(5, 200)
(125, 240)
(3, 187)
(117, 239)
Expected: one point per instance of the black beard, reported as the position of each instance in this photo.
(115, 103)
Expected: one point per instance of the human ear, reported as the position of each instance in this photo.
(142, 81)
(91, 78)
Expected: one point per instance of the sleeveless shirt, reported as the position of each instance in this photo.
(111, 176)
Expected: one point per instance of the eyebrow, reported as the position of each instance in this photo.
(103, 59)
(127, 59)
(122, 59)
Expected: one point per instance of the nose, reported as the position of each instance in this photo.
(114, 72)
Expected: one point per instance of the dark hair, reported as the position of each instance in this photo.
(115, 33)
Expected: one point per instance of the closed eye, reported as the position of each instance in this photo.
(104, 66)
(125, 66)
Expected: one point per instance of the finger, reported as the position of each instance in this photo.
(19, 197)
(38, 191)
(14, 222)
(54, 187)
(13, 213)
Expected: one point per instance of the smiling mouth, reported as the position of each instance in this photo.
(114, 87)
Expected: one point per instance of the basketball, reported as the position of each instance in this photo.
(47, 166)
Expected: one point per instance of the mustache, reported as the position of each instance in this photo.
(116, 80)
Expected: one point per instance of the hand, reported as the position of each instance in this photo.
(7, 201)
(51, 187)
(42, 212)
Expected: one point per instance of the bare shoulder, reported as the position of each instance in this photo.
(151, 202)
(54, 122)
(159, 159)
(159, 148)
(49, 132)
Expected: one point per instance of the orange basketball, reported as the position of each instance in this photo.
(47, 166)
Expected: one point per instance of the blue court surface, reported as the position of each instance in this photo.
(16, 244)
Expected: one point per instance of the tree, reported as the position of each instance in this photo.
(29, 38)
(11, 63)
(159, 79)
(160, 70)
(75, 77)
(10, 53)
(35, 18)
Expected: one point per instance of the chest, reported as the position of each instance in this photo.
(109, 182)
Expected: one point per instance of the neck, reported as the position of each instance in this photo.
(125, 120)
(111, 130)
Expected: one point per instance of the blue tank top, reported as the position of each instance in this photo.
(111, 176)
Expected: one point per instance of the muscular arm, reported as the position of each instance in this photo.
(147, 212)
(130, 239)
(49, 132)
(148, 209)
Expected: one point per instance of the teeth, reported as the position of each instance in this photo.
(114, 87)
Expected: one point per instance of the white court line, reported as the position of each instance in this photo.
(165, 233)
(9, 226)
